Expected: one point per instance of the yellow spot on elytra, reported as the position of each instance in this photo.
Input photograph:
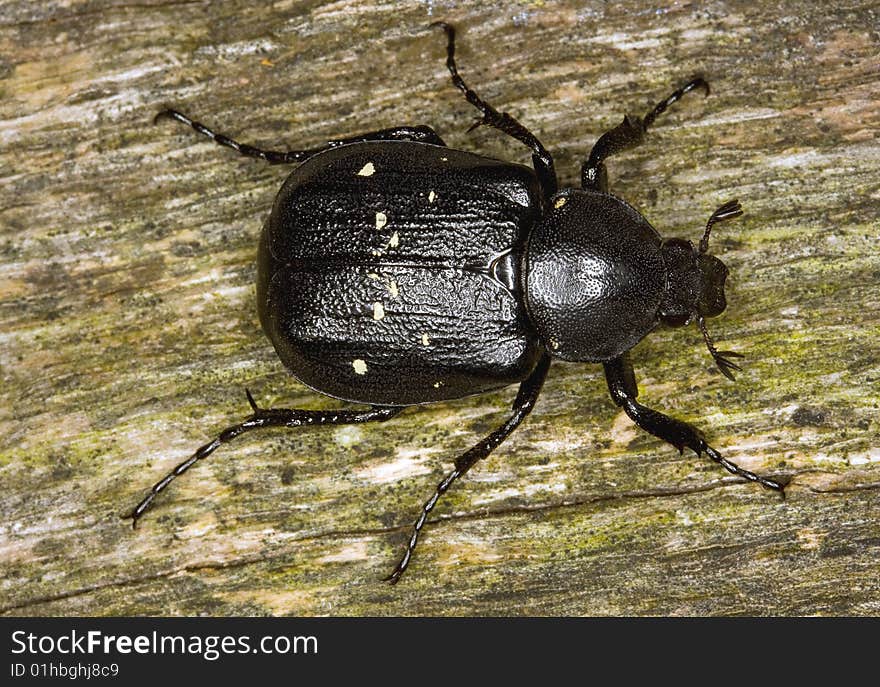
(425, 340)
(266, 62)
(372, 275)
(378, 311)
(395, 240)
(360, 366)
(381, 220)
(559, 202)
(392, 288)
(367, 170)
(431, 197)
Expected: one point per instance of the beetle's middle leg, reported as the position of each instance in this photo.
(265, 417)
(502, 121)
(419, 134)
(622, 386)
(627, 134)
(522, 406)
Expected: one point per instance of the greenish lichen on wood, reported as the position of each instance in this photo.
(130, 330)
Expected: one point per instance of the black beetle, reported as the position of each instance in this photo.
(394, 271)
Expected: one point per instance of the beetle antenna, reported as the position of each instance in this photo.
(721, 358)
(729, 210)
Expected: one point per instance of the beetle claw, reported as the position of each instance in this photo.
(251, 401)
(130, 516)
(393, 578)
(164, 113)
(476, 125)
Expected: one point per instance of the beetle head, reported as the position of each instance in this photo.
(713, 273)
(695, 284)
(695, 279)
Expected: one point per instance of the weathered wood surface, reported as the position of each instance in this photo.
(129, 327)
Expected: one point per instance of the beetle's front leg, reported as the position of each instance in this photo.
(419, 134)
(541, 158)
(627, 134)
(522, 406)
(622, 386)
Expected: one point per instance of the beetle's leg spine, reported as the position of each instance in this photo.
(621, 385)
(628, 134)
(502, 121)
(264, 417)
(525, 400)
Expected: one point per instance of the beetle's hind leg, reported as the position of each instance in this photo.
(420, 134)
(627, 134)
(502, 121)
(265, 417)
(622, 386)
(522, 406)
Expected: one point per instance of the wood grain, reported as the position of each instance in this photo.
(130, 332)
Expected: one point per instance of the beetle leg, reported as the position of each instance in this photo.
(419, 134)
(502, 121)
(522, 406)
(622, 386)
(627, 134)
(265, 417)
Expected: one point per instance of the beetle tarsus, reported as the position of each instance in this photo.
(541, 158)
(661, 107)
(270, 156)
(628, 134)
(263, 417)
(525, 400)
(441, 489)
(420, 134)
(735, 469)
(623, 390)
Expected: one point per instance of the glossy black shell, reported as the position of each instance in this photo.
(388, 273)
(594, 276)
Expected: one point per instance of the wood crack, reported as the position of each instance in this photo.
(331, 534)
